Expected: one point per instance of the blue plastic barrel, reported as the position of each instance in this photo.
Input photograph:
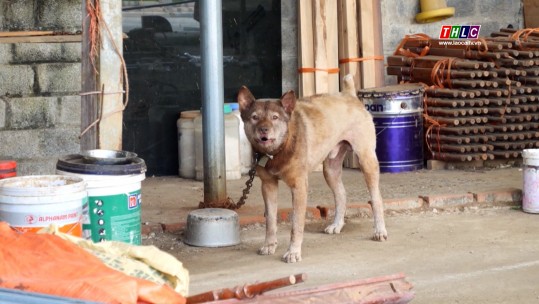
(397, 115)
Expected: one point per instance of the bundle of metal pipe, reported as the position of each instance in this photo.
(482, 96)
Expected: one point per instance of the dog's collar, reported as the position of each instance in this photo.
(264, 159)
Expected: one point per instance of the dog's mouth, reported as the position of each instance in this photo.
(264, 140)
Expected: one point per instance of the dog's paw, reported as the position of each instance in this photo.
(334, 228)
(380, 235)
(268, 249)
(292, 256)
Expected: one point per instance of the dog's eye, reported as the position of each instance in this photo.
(275, 117)
(254, 117)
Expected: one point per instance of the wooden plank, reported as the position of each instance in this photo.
(89, 103)
(25, 33)
(320, 49)
(111, 76)
(348, 41)
(332, 45)
(371, 42)
(305, 48)
(42, 39)
(379, 77)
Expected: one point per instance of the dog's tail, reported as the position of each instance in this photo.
(348, 85)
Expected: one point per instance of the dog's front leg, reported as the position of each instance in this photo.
(299, 204)
(269, 193)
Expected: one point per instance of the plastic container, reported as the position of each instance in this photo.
(8, 168)
(246, 150)
(232, 141)
(186, 143)
(114, 197)
(30, 203)
(530, 190)
(397, 116)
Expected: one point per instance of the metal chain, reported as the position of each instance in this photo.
(248, 185)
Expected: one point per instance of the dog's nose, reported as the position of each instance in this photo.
(263, 129)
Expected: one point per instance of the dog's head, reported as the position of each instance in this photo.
(266, 120)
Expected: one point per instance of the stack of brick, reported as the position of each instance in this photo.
(482, 96)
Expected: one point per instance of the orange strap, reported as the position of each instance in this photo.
(359, 59)
(312, 70)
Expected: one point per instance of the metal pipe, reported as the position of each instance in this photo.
(211, 45)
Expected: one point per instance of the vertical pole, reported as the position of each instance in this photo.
(211, 44)
(104, 75)
(110, 75)
(89, 103)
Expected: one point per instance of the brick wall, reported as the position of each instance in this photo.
(39, 86)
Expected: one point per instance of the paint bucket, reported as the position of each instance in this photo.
(8, 168)
(397, 115)
(114, 197)
(530, 190)
(186, 143)
(30, 203)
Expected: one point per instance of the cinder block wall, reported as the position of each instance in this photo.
(39, 86)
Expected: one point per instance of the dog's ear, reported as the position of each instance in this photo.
(245, 99)
(288, 101)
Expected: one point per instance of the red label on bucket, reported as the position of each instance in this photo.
(132, 202)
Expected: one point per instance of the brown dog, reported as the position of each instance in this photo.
(297, 135)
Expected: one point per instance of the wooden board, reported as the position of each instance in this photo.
(320, 48)
(305, 47)
(41, 39)
(332, 45)
(348, 40)
(371, 42)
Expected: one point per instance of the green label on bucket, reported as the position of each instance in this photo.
(115, 217)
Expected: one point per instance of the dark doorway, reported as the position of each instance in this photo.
(162, 53)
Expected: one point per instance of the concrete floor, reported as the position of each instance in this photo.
(460, 254)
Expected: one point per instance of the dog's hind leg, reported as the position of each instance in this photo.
(333, 175)
(269, 193)
(371, 171)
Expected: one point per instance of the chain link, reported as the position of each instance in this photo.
(248, 185)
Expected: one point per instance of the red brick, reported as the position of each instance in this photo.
(252, 219)
(403, 203)
(448, 200)
(509, 195)
(146, 229)
(359, 209)
(174, 227)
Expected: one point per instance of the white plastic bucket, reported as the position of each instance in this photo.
(114, 207)
(246, 150)
(530, 191)
(30, 203)
(186, 143)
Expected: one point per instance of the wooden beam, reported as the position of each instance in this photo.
(348, 41)
(305, 48)
(102, 112)
(320, 48)
(89, 82)
(42, 39)
(332, 44)
(371, 42)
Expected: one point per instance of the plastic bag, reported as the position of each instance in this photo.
(45, 263)
(144, 262)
